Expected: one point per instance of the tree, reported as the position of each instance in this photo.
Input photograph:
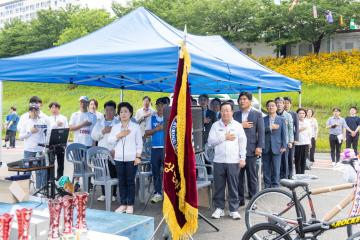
(83, 22)
(235, 20)
(14, 39)
(282, 26)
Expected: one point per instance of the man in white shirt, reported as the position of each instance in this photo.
(82, 123)
(101, 133)
(33, 132)
(33, 100)
(56, 120)
(143, 114)
(228, 139)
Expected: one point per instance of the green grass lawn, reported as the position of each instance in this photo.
(321, 98)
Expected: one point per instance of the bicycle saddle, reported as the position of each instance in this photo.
(292, 184)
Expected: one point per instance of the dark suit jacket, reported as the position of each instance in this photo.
(207, 126)
(275, 139)
(296, 125)
(255, 135)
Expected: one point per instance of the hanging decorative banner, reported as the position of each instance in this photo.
(341, 20)
(353, 26)
(295, 2)
(277, 2)
(329, 17)
(315, 13)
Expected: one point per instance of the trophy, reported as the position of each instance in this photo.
(55, 206)
(68, 205)
(5, 221)
(23, 216)
(80, 202)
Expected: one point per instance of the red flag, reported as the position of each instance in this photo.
(180, 192)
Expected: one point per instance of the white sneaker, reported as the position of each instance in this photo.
(156, 198)
(333, 164)
(235, 215)
(113, 198)
(121, 209)
(218, 213)
(101, 198)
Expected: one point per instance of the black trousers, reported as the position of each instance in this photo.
(126, 172)
(291, 153)
(252, 178)
(113, 174)
(312, 150)
(60, 155)
(352, 142)
(10, 136)
(300, 158)
(335, 147)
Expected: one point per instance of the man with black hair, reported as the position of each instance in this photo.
(228, 139)
(101, 133)
(56, 120)
(11, 123)
(353, 122)
(253, 125)
(143, 114)
(209, 116)
(290, 156)
(289, 123)
(33, 131)
(33, 100)
(155, 129)
(215, 107)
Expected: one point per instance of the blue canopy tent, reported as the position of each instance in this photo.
(140, 52)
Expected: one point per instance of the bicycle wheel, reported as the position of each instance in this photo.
(353, 229)
(273, 201)
(265, 231)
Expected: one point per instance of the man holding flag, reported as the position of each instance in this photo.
(180, 192)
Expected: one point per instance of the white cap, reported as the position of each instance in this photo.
(84, 98)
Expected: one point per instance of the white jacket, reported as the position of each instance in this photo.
(31, 140)
(228, 151)
(127, 147)
(103, 139)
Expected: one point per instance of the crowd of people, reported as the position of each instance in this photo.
(284, 139)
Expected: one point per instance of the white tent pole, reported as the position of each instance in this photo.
(1, 119)
(300, 99)
(259, 93)
(121, 95)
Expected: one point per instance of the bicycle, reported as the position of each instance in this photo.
(282, 229)
(258, 210)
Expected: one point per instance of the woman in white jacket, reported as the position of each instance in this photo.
(127, 138)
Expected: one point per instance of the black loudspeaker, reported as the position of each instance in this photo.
(198, 128)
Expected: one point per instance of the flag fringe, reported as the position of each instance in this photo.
(190, 226)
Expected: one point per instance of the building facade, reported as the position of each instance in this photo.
(340, 41)
(26, 10)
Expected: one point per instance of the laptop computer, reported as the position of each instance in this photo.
(59, 136)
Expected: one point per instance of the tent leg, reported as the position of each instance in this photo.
(259, 93)
(1, 119)
(121, 95)
(300, 99)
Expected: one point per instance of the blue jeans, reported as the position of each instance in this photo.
(271, 168)
(126, 172)
(41, 176)
(157, 161)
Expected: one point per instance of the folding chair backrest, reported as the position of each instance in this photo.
(202, 174)
(76, 153)
(98, 159)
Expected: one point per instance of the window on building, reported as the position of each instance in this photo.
(349, 45)
(247, 51)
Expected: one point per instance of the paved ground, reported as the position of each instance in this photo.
(230, 229)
